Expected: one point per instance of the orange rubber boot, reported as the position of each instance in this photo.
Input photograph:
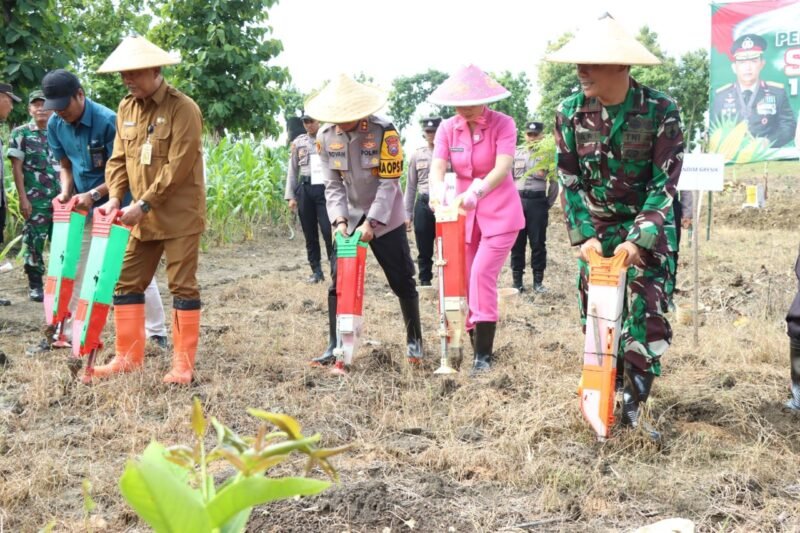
(129, 322)
(185, 332)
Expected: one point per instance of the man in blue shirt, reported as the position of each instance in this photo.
(81, 136)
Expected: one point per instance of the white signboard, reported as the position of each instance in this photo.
(702, 172)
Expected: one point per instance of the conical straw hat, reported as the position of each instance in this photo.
(468, 86)
(345, 100)
(604, 42)
(134, 53)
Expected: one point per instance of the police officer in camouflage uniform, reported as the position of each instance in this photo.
(305, 192)
(620, 151)
(7, 99)
(538, 196)
(37, 185)
(416, 199)
(763, 104)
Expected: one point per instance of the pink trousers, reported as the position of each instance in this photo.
(485, 258)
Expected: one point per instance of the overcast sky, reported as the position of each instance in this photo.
(388, 39)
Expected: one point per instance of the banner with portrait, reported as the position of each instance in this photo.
(755, 80)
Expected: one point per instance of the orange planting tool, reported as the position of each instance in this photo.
(605, 301)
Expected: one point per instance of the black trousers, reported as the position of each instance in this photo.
(536, 212)
(425, 232)
(394, 256)
(793, 316)
(314, 218)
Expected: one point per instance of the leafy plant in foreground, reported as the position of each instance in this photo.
(172, 490)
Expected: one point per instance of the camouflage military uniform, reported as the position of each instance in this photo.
(619, 166)
(29, 144)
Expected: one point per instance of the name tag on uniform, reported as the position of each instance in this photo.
(147, 153)
(456, 148)
(316, 170)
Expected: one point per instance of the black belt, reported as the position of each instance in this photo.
(306, 180)
(532, 194)
(424, 197)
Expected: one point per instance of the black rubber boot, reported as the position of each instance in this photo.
(327, 358)
(484, 342)
(316, 274)
(634, 394)
(35, 284)
(794, 360)
(538, 278)
(410, 309)
(517, 280)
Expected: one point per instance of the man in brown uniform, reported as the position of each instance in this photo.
(158, 158)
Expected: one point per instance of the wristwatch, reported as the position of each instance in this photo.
(144, 206)
(95, 195)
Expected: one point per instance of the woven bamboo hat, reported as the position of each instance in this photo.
(468, 86)
(135, 53)
(604, 42)
(345, 100)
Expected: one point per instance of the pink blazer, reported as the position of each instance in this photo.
(473, 156)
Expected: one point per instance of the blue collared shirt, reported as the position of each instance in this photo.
(96, 128)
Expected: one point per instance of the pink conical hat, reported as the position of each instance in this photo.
(468, 86)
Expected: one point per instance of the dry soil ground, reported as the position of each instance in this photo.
(508, 451)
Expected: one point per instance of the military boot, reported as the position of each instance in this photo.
(538, 278)
(517, 280)
(35, 284)
(410, 309)
(327, 358)
(794, 358)
(634, 395)
(483, 345)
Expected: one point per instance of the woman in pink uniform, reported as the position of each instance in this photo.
(479, 143)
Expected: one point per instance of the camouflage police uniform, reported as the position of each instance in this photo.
(29, 144)
(619, 167)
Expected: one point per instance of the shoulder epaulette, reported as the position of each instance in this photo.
(775, 84)
(724, 87)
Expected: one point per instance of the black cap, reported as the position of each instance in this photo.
(748, 46)
(534, 127)
(58, 87)
(430, 123)
(7, 88)
(305, 116)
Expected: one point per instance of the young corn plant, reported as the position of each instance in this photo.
(245, 183)
(173, 491)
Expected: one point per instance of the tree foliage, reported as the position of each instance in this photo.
(35, 39)
(516, 105)
(408, 92)
(556, 82)
(90, 19)
(226, 47)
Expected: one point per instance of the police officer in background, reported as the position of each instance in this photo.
(7, 99)
(763, 104)
(305, 192)
(538, 195)
(419, 212)
(362, 161)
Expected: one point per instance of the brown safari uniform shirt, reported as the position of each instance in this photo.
(173, 182)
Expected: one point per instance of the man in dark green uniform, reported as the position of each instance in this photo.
(37, 185)
(620, 152)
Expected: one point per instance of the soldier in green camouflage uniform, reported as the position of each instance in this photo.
(37, 185)
(620, 151)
